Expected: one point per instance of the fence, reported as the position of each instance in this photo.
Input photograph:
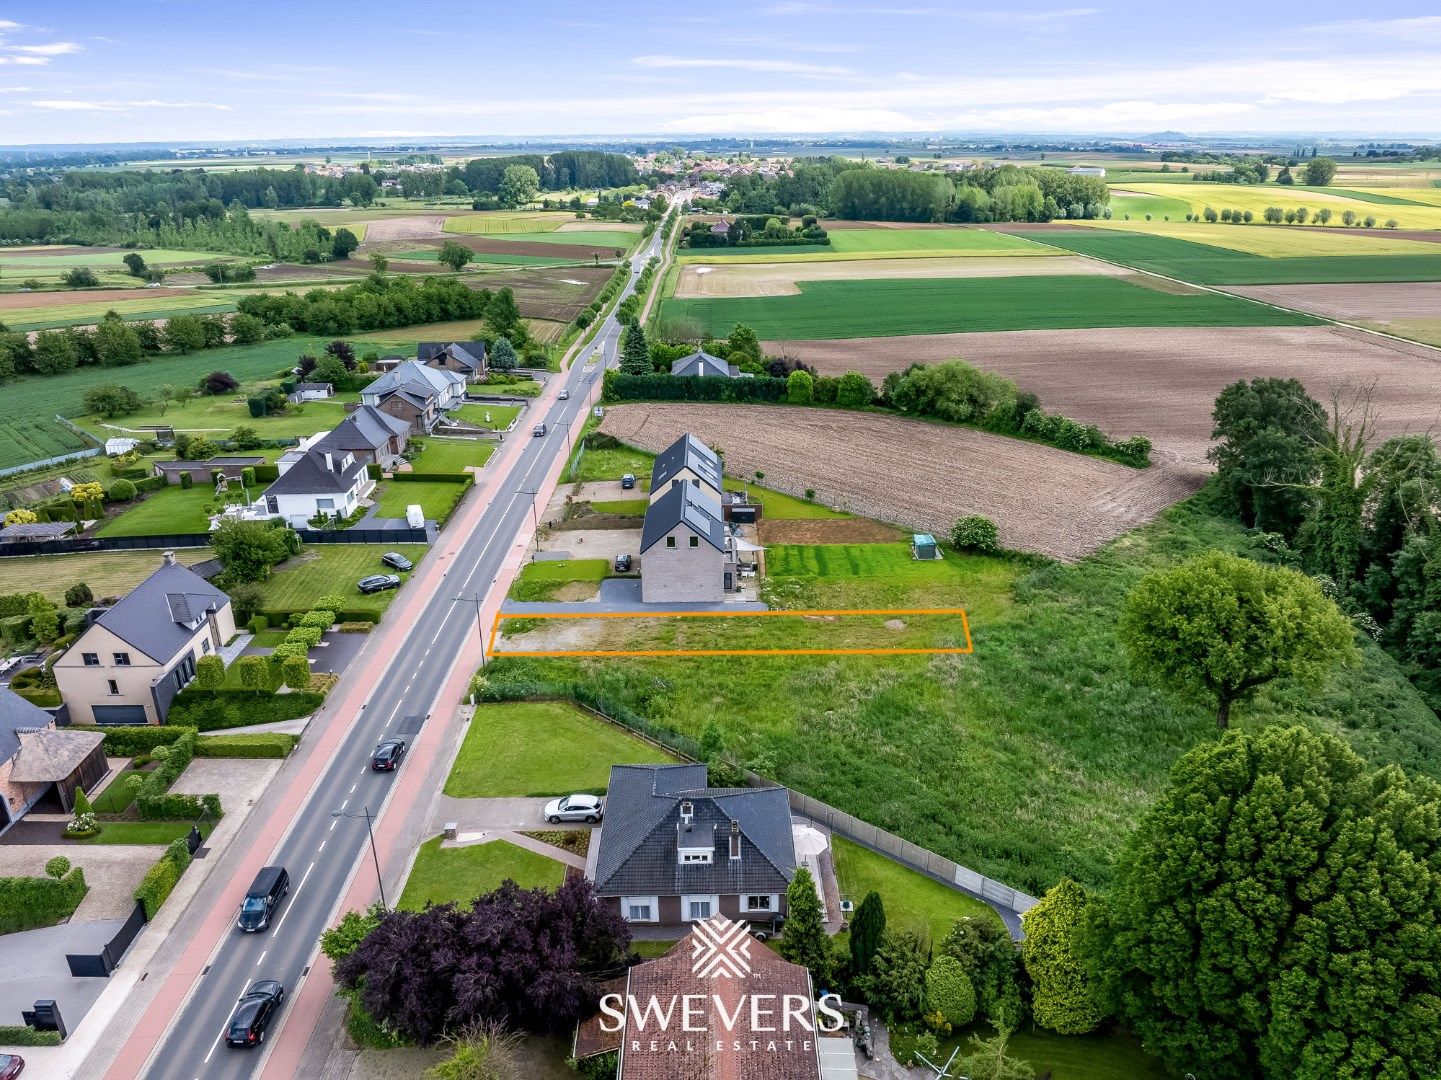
(100, 965)
(78, 455)
(405, 535)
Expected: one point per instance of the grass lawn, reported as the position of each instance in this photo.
(441, 875)
(892, 307)
(145, 832)
(1031, 759)
(1115, 1056)
(220, 415)
(335, 568)
(172, 509)
(443, 455)
(913, 901)
(622, 507)
(494, 417)
(609, 464)
(437, 498)
(108, 573)
(541, 748)
(115, 796)
(785, 507)
(546, 579)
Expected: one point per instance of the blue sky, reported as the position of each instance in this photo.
(87, 71)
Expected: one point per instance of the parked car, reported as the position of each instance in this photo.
(627, 481)
(378, 583)
(538, 431)
(262, 898)
(588, 808)
(11, 1066)
(387, 755)
(396, 561)
(622, 564)
(564, 395)
(253, 1013)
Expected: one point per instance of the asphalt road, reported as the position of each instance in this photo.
(320, 851)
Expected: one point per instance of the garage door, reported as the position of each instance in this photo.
(120, 714)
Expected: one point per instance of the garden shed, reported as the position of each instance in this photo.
(924, 546)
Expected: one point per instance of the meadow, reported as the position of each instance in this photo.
(597, 238)
(1257, 197)
(1030, 759)
(217, 416)
(91, 306)
(880, 243)
(842, 309)
(172, 509)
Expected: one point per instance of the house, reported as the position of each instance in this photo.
(673, 850)
(372, 436)
(685, 549)
(387, 363)
(202, 471)
(465, 358)
(721, 228)
(134, 657)
(702, 363)
(415, 393)
(687, 460)
(312, 391)
(317, 483)
(41, 764)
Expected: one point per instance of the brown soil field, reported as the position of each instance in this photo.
(547, 292)
(827, 531)
(1163, 384)
(918, 475)
(405, 228)
(62, 249)
(779, 279)
(1378, 302)
(12, 301)
(498, 245)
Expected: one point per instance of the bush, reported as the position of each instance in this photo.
(210, 672)
(621, 387)
(266, 745)
(976, 533)
(322, 620)
(133, 741)
(78, 595)
(295, 672)
(186, 481)
(949, 991)
(82, 802)
(25, 1035)
(258, 624)
(122, 491)
(82, 827)
(309, 636)
(160, 880)
(854, 391)
(906, 1042)
(57, 867)
(27, 902)
(219, 709)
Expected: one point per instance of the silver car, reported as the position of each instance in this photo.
(587, 808)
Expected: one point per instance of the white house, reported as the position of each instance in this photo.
(315, 483)
(418, 394)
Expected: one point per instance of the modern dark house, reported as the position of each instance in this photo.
(702, 364)
(372, 436)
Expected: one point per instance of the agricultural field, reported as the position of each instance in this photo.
(917, 474)
(1256, 197)
(1163, 386)
(108, 573)
(495, 222)
(325, 570)
(596, 237)
(872, 241)
(48, 262)
(1135, 204)
(1407, 309)
(1275, 241)
(838, 309)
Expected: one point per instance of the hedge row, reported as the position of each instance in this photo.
(266, 745)
(438, 477)
(160, 880)
(27, 902)
(266, 474)
(151, 483)
(132, 741)
(24, 1035)
(282, 616)
(621, 387)
(216, 711)
(153, 798)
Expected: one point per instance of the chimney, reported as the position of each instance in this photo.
(735, 839)
(169, 558)
(687, 812)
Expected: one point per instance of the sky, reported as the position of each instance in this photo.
(245, 70)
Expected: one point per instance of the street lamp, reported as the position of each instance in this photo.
(479, 630)
(534, 516)
(365, 811)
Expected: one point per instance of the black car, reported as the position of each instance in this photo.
(387, 755)
(253, 1013)
(627, 481)
(378, 583)
(538, 430)
(622, 564)
(396, 561)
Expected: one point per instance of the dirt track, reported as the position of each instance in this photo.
(1162, 384)
(919, 475)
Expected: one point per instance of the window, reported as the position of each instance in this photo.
(325, 504)
(91, 659)
(698, 909)
(687, 811)
(695, 541)
(758, 903)
(638, 908)
(695, 857)
(114, 686)
(122, 659)
(184, 671)
(670, 541)
(205, 644)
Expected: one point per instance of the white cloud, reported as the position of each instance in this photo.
(784, 67)
(25, 61)
(72, 105)
(997, 17)
(54, 48)
(1414, 31)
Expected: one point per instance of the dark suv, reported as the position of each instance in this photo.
(396, 561)
(378, 583)
(253, 1013)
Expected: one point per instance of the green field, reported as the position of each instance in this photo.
(508, 221)
(172, 509)
(541, 748)
(1256, 197)
(882, 308)
(559, 579)
(879, 243)
(913, 901)
(437, 498)
(331, 569)
(459, 875)
(1209, 265)
(621, 507)
(1030, 759)
(48, 263)
(90, 307)
(217, 416)
(443, 455)
(1137, 206)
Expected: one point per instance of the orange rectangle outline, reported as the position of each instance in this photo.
(490, 652)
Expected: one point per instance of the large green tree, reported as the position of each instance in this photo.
(1276, 915)
(249, 549)
(454, 255)
(986, 951)
(896, 986)
(634, 351)
(1320, 171)
(804, 940)
(502, 355)
(1268, 432)
(116, 344)
(868, 926)
(1227, 626)
(519, 185)
(111, 400)
(1066, 997)
(949, 991)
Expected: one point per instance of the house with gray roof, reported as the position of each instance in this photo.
(318, 483)
(467, 358)
(687, 461)
(40, 764)
(673, 850)
(134, 657)
(374, 437)
(701, 364)
(685, 548)
(415, 393)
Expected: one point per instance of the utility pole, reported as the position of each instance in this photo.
(380, 881)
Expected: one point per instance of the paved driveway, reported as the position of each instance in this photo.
(111, 870)
(35, 968)
(492, 815)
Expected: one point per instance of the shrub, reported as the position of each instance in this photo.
(210, 672)
(949, 991)
(133, 741)
(81, 827)
(122, 491)
(976, 533)
(219, 709)
(309, 636)
(252, 672)
(25, 1035)
(266, 745)
(82, 802)
(322, 620)
(258, 624)
(1067, 997)
(78, 595)
(800, 388)
(333, 602)
(295, 672)
(854, 391)
(57, 867)
(158, 883)
(27, 902)
(186, 481)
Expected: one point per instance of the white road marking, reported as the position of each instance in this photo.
(291, 906)
(261, 959)
(321, 847)
(344, 804)
(352, 789)
(212, 1050)
(333, 824)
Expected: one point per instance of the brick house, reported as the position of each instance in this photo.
(374, 437)
(465, 358)
(685, 547)
(40, 764)
(689, 461)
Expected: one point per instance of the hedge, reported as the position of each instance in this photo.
(216, 710)
(265, 745)
(26, 902)
(132, 741)
(621, 387)
(282, 616)
(24, 1035)
(374, 471)
(267, 474)
(438, 477)
(152, 483)
(160, 880)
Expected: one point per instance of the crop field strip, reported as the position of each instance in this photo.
(506, 222)
(1256, 197)
(840, 309)
(1277, 241)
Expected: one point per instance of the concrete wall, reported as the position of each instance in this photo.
(682, 574)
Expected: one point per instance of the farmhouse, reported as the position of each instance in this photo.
(41, 764)
(689, 461)
(129, 664)
(465, 358)
(701, 364)
(416, 394)
(673, 850)
(312, 391)
(374, 437)
(320, 483)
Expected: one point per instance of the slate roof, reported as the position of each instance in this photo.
(469, 353)
(149, 616)
(689, 505)
(638, 839)
(686, 452)
(312, 476)
(52, 754)
(702, 363)
(367, 428)
(36, 530)
(413, 377)
(17, 715)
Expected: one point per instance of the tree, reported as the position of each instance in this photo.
(343, 351)
(184, 333)
(1330, 540)
(161, 397)
(804, 939)
(1227, 626)
(1268, 430)
(343, 243)
(1320, 171)
(634, 351)
(854, 391)
(82, 802)
(949, 991)
(58, 867)
(800, 388)
(976, 533)
(328, 369)
(295, 673)
(249, 549)
(1066, 995)
(519, 186)
(21, 516)
(110, 400)
(44, 619)
(987, 953)
(989, 1060)
(1274, 913)
(253, 672)
(78, 595)
(743, 345)
(82, 277)
(210, 672)
(135, 263)
(502, 355)
(503, 316)
(867, 928)
(896, 986)
(53, 352)
(1284, 177)
(246, 329)
(455, 255)
(219, 382)
(116, 344)
(378, 262)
